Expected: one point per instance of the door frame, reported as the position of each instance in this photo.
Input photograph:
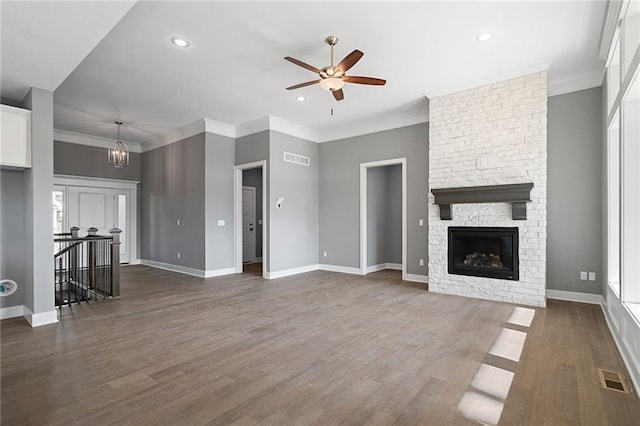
(363, 210)
(117, 184)
(237, 215)
(255, 225)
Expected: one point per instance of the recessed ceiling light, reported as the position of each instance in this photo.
(300, 98)
(484, 36)
(180, 42)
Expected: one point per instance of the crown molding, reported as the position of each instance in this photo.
(219, 128)
(97, 141)
(292, 129)
(581, 83)
(487, 80)
(416, 116)
(254, 126)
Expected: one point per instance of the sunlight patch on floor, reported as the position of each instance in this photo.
(485, 399)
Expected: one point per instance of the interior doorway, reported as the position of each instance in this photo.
(99, 203)
(250, 218)
(383, 211)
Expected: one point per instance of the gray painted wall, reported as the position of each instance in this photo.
(376, 215)
(384, 215)
(340, 188)
(39, 291)
(293, 228)
(81, 160)
(253, 178)
(574, 190)
(12, 234)
(173, 187)
(249, 149)
(393, 211)
(218, 173)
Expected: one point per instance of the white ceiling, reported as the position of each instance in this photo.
(234, 71)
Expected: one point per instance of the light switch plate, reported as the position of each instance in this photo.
(583, 275)
(420, 222)
(592, 276)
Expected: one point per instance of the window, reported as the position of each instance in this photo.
(613, 75)
(613, 217)
(631, 34)
(630, 126)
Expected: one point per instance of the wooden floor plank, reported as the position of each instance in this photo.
(315, 349)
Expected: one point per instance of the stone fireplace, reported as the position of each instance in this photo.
(489, 143)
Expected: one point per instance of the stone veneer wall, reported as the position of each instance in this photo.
(504, 126)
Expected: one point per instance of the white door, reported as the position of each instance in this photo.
(248, 224)
(102, 208)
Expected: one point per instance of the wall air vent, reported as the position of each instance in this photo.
(297, 159)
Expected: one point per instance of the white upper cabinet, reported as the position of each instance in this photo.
(15, 142)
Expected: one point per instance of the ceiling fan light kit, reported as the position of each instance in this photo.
(333, 77)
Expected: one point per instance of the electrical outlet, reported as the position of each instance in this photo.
(324, 254)
(178, 255)
(583, 275)
(221, 222)
(178, 222)
(420, 222)
(421, 261)
(592, 276)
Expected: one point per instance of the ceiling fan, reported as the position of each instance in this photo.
(333, 77)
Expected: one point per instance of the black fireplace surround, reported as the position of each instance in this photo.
(483, 252)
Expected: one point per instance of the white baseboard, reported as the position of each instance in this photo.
(416, 278)
(219, 272)
(12, 312)
(381, 266)
(293, 271)
(188, 271)
(574, 296)
(633, 371)
(133, 262)
(41, 318)
(173, 268)
(341, 269)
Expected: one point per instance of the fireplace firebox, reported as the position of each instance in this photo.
(483, 252)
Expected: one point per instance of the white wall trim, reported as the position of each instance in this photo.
(237, 215)
(173, 268)
(41, 318)
(363, 210)
(254, 126)
(94, 182)
(488, 80)
(416, 278)
(573, 296)
(219, 272)
(219, 128)
(576, 84)
(89, 140)
(381, 266)
(635, 378)
(339, 269)
(292, 129)
(12, 312)
(292, 271)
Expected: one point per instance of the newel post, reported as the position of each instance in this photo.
(74, 231)
(115, 262)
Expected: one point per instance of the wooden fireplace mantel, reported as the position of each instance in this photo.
(518, 194)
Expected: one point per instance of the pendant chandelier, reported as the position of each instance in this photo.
(118, 155)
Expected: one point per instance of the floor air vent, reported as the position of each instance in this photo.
(297, 159)
(612, 381)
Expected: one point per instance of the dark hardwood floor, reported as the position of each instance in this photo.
(316, 349)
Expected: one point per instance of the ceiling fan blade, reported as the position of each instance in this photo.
(308, 83)
(338, 94)
(302, 64)
(364, 80)
(349, 60)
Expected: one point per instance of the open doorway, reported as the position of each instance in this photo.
(250, 215)
(383, 214)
